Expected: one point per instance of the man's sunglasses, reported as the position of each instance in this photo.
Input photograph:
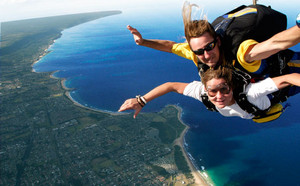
(208, 47)
(223, 88)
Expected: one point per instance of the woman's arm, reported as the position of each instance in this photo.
(286, 80)
(281, 41)
(132, 103)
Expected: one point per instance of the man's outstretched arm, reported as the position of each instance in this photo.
(286, 80)
(281, 41)
(162, 45)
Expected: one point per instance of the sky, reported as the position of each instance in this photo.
(24, 9)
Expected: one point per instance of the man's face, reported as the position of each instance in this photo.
(219, 93)
(211, 53)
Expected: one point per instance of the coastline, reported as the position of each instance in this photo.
(63, 80)
(200, 178)
(67, 93)
(46, 51)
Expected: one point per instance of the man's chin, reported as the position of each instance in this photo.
(211, 64)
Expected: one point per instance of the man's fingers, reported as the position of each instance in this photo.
(130, 28)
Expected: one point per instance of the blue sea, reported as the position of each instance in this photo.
(104, 67)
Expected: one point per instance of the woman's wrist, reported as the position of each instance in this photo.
(141, 100)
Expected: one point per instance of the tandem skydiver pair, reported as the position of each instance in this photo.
(252, 55)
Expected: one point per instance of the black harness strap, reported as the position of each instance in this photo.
(209, 105)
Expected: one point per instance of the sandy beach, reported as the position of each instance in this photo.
(46, 51)
(67, 93)
(199, 178)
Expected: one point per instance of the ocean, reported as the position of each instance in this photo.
(104, 67)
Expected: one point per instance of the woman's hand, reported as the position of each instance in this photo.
(131, 104)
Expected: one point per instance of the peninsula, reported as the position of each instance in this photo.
(47, 139)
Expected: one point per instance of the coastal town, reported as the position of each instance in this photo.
(47, 139)
(61, 143)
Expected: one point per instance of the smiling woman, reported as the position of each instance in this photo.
(217, 87)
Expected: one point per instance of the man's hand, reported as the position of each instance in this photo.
(157, 44)
(136, 35)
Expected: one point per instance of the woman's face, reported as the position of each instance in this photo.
(219, 93)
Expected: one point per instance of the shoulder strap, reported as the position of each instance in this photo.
(209, 105)
(243, 102)
(201, 68)
(278, 62)
(241, 80)
(278, 65)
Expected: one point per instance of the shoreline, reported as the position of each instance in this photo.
(63, 80)
(67, 93)
(46, 51)
(200, 178)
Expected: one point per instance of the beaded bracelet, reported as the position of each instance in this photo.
(143, 100)
(138, 98)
